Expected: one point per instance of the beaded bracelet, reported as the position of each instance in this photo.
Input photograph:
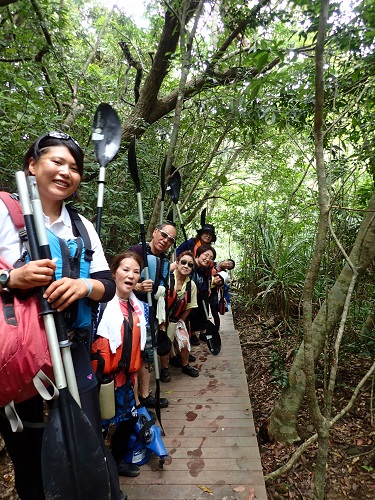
(88, 284)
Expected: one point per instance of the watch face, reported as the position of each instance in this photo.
(4, 277)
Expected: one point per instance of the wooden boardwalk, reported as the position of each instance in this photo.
(209, 430)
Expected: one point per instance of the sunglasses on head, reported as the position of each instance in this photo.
(167, 236)
(56, 134)
(184, 262)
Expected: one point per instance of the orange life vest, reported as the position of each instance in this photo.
(196, 246)
(177, 305)
(127, 358)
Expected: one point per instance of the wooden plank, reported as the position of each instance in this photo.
(203, 431)
(192, 477)
(206, 413)
(171, 492)
(208, 393)
(234, 403)
(219, 422)
(190, 402)
(229, 452)
(210, 441)
(216, 464)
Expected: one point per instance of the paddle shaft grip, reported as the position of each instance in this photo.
(47, 312)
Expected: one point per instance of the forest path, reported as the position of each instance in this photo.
(210, 432)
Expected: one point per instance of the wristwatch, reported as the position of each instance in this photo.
(4, 279)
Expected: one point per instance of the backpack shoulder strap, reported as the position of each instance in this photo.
(14, 208)
(10, 200)
(188, 289)
(171, 282)
(82, 231)
(154, 269)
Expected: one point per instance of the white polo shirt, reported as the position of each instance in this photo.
(11, 249)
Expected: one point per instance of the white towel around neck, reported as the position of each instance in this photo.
(112, 319)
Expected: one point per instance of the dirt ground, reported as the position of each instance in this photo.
(268, 352)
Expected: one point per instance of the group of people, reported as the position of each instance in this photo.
(182, 294)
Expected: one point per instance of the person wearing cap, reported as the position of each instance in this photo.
(205, 236)
(219, 279)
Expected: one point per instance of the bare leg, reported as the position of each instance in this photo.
(137, 402)
(164, 361)
(144, 376)
(185, 355)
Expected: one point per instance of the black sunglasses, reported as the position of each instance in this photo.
(184, 262)
(167, 236)
(56, 134)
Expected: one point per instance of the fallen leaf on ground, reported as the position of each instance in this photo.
(205, 489)
(239, 488)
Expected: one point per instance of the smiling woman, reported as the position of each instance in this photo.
(56, 161)
(182, 299)
(121, 336)
(204, 258)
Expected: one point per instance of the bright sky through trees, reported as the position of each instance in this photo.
(132, 8)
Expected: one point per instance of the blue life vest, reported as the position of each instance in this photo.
(158, 268)
(73, 261)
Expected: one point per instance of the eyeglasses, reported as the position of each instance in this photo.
(184, 262)
(56, 134)
(167, 236)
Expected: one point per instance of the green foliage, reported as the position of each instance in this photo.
(246, 131)
(278, 371)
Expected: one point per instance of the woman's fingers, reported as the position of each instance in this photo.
(32, 274)
(60, 294)
(147, 285)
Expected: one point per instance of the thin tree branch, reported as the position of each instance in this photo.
(208, 162)
(296, 455)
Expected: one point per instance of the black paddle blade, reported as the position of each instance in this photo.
(203, 217)
(73, 468)
(106, 134)
(157, 404)
(174, 185)
(133, 168)
(162, 178)
(213, 338)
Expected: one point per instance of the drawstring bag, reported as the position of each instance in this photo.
(164, 344)
(145, 440)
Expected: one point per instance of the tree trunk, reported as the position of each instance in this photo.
(369, 324)
(284, 416)
(186, 51)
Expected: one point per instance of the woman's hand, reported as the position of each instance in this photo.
(145, 286)
(61, 293)
(32, 274)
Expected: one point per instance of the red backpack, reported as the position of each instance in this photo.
(25, 363)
